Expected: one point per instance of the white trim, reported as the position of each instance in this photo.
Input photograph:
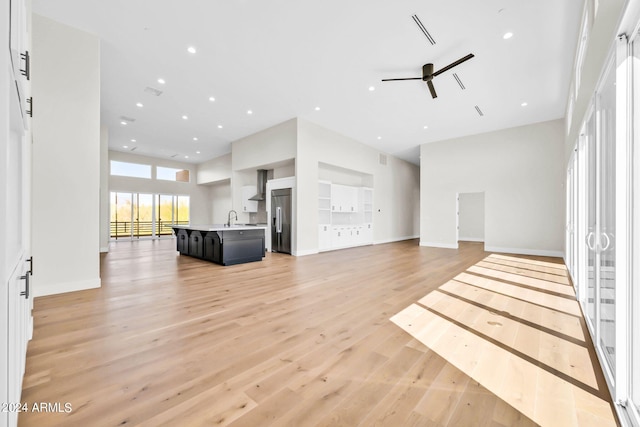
(524, 251)
(471, 239)
(394, 239)
(305, 252)
(60, 288)
(439, 245)
(104, 249)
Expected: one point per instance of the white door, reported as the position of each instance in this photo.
(15, 191)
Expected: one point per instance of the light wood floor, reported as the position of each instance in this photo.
(389, 335)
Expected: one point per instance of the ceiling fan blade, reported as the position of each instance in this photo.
(432, 89)
(453, 64)
(406, 78)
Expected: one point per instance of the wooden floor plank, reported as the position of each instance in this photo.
(350, 337)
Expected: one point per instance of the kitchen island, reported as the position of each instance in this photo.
(220, 243)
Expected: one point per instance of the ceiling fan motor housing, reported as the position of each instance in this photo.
(427, 72)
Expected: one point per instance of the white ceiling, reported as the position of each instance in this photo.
(283, 58)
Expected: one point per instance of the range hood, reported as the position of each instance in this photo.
(261, 185)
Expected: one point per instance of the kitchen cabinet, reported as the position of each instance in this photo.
(182, 241)
(249, 191)
(344, 198)
(20, 64)
(345, 216)
(196, 244)
(324, 237)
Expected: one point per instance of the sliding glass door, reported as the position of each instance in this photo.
(603, 222)
(606, 200)
(138, 215)
(634, 312)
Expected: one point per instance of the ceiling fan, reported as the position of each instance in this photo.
(428, 74)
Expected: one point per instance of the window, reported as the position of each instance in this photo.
(133, 170)
(171, 174)
(582, 48)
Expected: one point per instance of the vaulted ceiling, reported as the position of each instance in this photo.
(258, 63)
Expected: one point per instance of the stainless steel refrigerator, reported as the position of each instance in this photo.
(281, 220)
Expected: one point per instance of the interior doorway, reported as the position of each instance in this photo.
(470, 217)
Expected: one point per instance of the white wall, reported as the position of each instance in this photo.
(396, 184)
(214, 170)
(220, 196)
(273, 145)
(199, 195)
(471, 217)
(521, 172)
(104, 190)
(66, 158)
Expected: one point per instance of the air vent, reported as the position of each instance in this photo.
(382, 159)
(455, 76)
(153, 91)
(173, 156)
(479, 111)
(134, 149)
(127, 119)
(423, 29)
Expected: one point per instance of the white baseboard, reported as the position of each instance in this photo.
(439, 245)
(524, 251)
(41, 290)
(305, 252)
(395, 239)
(471, 239)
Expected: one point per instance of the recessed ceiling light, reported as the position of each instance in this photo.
(191, 49)
(507, 35)
(426, 127)
(212, 99)
(186, 157)
(123, 123)
(161, 81)
(219, 126)
(185, 118)
(139, 104)
(524, 104)
(317, 108)
(249, 112)
(197, 152)
(125, 146)
(372, 88)
(195, 138)
(133, 140)
(379, 137)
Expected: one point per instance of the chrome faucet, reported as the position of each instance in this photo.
(229, 217)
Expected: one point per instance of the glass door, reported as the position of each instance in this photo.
(164, 214)
(605, 238)
(590, 219)
(121, 207)
(181, 212)
(634, 291)
(143, 215)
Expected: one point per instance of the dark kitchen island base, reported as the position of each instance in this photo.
(222, 245)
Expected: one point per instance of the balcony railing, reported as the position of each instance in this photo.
(120, 229)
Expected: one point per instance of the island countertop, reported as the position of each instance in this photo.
(221, 227)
